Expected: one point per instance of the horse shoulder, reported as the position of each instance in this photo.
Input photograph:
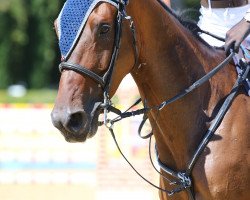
(226, 159)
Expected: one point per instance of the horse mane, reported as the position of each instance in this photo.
(190, 24)
(184, 18)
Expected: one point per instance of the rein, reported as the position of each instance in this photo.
(182, 179)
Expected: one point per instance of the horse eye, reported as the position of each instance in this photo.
(105, 28)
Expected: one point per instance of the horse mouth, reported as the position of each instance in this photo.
(69, 137)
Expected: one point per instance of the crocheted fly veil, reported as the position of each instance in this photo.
(72, 20)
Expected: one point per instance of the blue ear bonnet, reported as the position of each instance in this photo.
(72, 20)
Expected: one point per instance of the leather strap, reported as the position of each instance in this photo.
(82, 70)
(224, 3)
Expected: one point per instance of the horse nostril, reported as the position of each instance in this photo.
(76, 121)
(55, 118)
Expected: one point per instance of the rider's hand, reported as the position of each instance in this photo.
(236, 35)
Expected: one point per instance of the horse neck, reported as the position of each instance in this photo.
(171, 59)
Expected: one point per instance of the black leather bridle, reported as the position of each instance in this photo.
(105, 80)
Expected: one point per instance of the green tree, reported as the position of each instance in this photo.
(13, 39)
(4, 51)
(42, 15)
(27, 42)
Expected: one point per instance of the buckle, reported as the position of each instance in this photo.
(185, 180)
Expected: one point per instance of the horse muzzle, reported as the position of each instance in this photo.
(76, 125)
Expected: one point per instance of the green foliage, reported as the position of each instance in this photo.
(28, 43)
(192, 8)
(192, 3)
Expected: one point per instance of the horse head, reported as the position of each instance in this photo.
(89, 42)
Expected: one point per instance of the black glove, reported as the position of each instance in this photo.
(236, 35)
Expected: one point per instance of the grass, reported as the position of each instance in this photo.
(32, 96)
(47, 96)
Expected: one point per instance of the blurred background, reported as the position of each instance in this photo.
(35, 161)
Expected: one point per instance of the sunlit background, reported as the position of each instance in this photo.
(36, 163)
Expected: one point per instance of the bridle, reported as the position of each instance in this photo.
(182, 179)
(105, 80)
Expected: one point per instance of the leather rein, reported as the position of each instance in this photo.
(182, 180)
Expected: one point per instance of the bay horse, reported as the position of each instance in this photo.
(170, 57)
